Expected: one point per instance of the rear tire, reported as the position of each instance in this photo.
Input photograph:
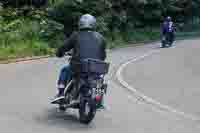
(87, 110)
(163, 43)
(170, 43)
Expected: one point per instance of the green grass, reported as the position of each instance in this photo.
(133, 37)
(25, 48)
(144, 35)
(12, 47)
(24, 39)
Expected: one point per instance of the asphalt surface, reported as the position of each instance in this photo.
(171, 76)
(26, 89)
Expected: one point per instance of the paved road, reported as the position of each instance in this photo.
(171, 76)
(26, 88)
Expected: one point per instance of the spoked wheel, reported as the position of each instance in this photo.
(87, 110)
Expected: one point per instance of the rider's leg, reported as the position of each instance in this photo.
(64, 77)
(163, 41)
(171, 39)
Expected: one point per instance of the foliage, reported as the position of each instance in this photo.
(47, 23)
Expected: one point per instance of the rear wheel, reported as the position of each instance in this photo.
(163, 43)
(87, 110)
(171, 42)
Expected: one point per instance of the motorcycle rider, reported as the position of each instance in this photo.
(85, 43)
(168, 29)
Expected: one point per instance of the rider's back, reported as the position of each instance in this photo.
(168, 27)
(89, 44)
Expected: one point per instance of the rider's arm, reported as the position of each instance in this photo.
(68, 45)
(163, 28)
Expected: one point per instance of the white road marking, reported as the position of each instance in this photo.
(146, 98)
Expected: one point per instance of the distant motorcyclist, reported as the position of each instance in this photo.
(85, 43)
(168, 31)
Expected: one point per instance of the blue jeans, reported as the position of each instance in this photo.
(65, 75)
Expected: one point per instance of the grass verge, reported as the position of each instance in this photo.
(25, 49)
(13, 46)
(142, 36)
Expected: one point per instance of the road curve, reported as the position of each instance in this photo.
(26, 88)
(168, 78)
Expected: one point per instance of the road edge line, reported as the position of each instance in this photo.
(143, 96)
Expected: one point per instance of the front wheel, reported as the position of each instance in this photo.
(163, 43)
(87, 110)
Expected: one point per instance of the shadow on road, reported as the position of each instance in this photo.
(53, 118)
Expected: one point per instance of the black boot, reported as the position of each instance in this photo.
(59, 96)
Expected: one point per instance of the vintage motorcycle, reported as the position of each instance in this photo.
(167, 40)
(85, 92)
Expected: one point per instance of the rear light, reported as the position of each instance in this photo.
(98, 98)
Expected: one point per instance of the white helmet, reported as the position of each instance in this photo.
(87, 21)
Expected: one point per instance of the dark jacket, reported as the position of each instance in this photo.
(85, 44)
(168, 27)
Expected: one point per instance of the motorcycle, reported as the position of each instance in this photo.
(86, 92)
(167, 40)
